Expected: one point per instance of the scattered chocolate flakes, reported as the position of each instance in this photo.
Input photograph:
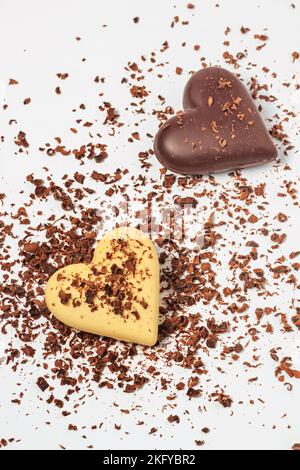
(208, 323)
(245, 30)
(62, 76)
(199, 443)
(261, 37)
(174, 419)
(21, 140)
(64, 297)
(224, 400)
(42, 383)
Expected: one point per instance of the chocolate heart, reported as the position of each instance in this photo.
(116, 295)
(220, 128)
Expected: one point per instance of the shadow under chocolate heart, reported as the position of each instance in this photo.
(220, 128)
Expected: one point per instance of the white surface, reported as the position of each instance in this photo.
(38, 41)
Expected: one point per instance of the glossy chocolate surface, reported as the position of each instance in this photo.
(220, 128)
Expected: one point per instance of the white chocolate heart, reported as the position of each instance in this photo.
(116, 295)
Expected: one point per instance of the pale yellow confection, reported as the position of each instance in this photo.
(117, 295)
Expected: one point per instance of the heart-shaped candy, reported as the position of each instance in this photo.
(117, 295)
(220, 128)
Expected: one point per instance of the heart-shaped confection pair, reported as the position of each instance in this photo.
(117, 295)
(220, 128)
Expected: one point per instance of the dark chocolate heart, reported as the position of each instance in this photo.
(220, 128)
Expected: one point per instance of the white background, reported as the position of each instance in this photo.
(37, 41)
